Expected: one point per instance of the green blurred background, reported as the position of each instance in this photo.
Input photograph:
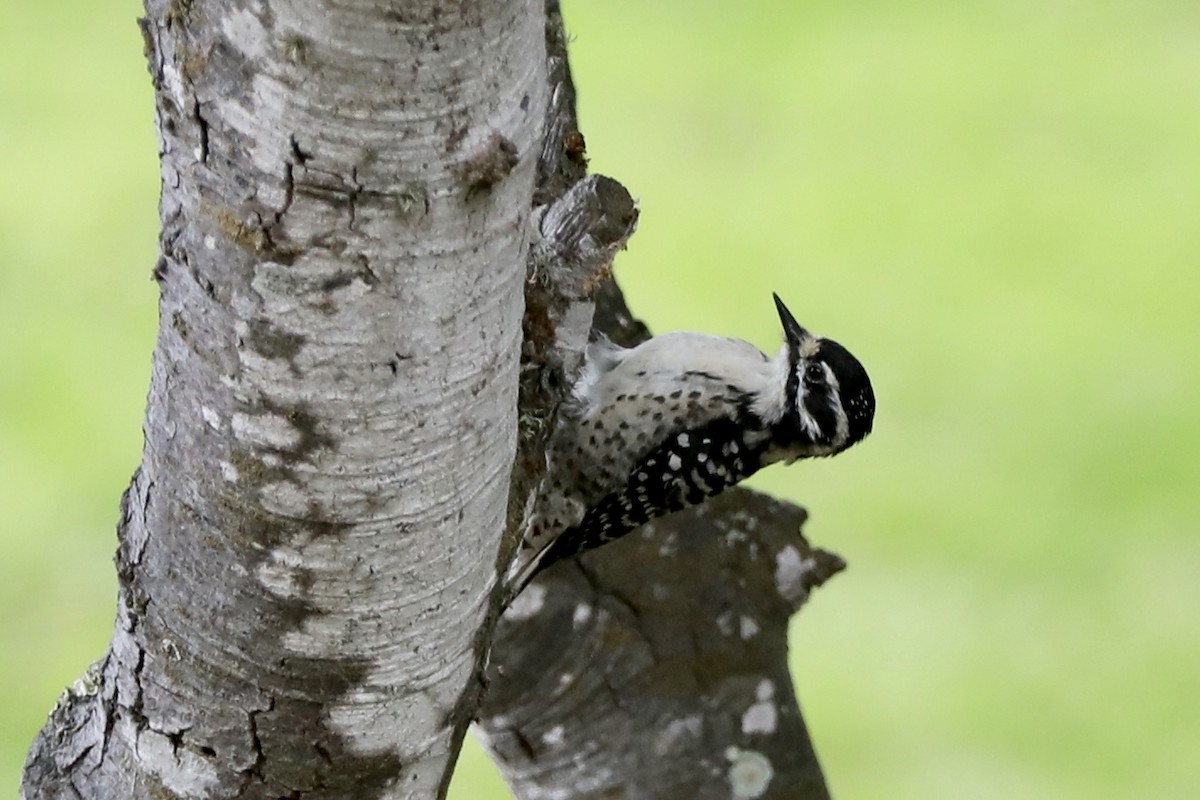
(995, 205)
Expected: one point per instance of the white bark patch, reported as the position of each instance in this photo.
(270, 102)
(246, 33)
(343, 296)
(173, 82)
(275, 285)
(370, 721)
(278, 575)
(265, 430)
(319, 636)
(528, 603)
(170, 649)
(284, 498)
(677, 729)
(88, 683)
(750, 773)
(734, 538)
(183, 772)
(761, 717)
(790, 571)
(370, 715)
(211, 417)
(555, 736)
(581, 615)
(266, 368)
(229, 472)
(749, 628)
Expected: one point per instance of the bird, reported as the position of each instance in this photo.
(679, 418)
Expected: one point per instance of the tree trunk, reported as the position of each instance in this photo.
(307, 547)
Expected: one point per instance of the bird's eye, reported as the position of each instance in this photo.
(814, 373)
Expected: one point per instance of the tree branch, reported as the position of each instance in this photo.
(657, 665)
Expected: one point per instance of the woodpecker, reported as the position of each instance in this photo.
(677, 419)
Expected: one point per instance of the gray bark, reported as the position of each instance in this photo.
(658, 668)
(307, 549)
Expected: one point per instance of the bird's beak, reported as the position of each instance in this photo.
(793, 330)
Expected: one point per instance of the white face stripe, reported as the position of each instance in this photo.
(842, 425)
(807, 422)
(843, 422)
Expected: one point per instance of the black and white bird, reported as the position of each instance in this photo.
(677, 419)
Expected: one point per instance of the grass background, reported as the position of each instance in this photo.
(994, 204)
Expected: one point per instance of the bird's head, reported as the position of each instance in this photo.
(829, 403)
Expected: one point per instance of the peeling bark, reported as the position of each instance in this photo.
(307, 548)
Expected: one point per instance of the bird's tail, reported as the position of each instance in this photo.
(525, 568)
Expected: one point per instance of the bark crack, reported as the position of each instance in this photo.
(202, 123)
(352, 195)
(257, 770)
(136, 708)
